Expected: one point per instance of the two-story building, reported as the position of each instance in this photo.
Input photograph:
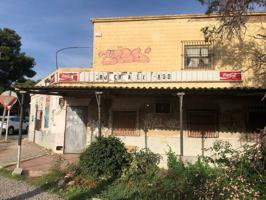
(157, 83)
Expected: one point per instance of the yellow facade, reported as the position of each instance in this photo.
(161, 38)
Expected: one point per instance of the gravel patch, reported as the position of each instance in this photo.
(17, 190)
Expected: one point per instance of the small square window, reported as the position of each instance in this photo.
(162, 108)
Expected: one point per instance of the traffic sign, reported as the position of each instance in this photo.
(8, 99)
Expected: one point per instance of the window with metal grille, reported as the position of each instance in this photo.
(124, 123)
(202, 123)
(197, 55)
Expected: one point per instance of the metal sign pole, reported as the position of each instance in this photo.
(7, 123)
(8, 99)
(2, 123)
(18, 170)
(20, 129)
(181, 94)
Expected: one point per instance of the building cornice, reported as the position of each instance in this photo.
(164, 17)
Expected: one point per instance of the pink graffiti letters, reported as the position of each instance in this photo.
(124, 55)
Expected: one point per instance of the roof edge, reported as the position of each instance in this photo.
(165, 17)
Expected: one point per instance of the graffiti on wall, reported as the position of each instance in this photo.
(124, 55)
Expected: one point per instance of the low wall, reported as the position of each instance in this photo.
(161, 145)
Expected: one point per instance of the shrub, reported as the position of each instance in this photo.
(174, 164)
(244, 171)
(49, 181)
(190, 180)
(138, 181)
(144, 162)
(104, 158)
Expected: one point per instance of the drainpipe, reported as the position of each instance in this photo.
(98, 95)
(181, 95)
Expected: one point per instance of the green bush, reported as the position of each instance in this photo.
(190, 180)
(106, 157)
(144, 162)
(243, 170)
(138, 180)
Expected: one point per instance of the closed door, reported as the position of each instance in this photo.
(75, 134)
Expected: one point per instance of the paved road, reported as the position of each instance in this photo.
(17, 190)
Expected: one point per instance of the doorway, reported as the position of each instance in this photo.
(76, 130)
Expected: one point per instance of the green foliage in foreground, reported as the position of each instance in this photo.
(49, 181)
(106, 157)
(226, 174)
(8, 174)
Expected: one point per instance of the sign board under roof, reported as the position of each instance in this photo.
(148, 77)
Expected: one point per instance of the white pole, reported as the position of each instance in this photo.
(7, 123)
(20, 128)
(18, 156)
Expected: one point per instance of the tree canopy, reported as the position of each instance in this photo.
(233, 15)
(247, 48)
(14, 64)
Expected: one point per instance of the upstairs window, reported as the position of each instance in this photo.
(197, 55)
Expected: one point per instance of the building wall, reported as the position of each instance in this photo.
(158, 41)
(52, 137)
(50, 133)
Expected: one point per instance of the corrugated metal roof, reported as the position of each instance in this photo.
(110, 87)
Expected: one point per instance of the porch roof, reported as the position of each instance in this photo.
(75, 89)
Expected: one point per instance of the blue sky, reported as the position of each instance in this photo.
(48, 25)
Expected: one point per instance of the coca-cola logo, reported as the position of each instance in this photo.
(68, 77)
(230, 76)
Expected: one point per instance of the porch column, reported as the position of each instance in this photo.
(98, 95)
(181, 95)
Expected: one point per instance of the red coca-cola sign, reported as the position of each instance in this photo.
(68, 77)
(230, 76)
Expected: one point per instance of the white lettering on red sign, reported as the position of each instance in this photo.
(68, 77)
(230, 76)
